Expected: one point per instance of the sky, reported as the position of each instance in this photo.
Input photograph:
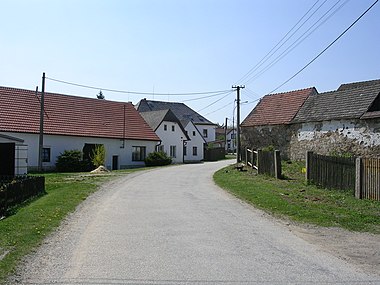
(166, 48)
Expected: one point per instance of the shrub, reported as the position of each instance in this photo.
(98, 157)
(70, 161)
(157, 158)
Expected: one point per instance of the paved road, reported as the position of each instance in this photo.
(174, 226)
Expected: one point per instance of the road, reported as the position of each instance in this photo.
(175, 226)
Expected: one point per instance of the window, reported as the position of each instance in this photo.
(160, 148)
(193, 133)
(173, 128)
(165, 127)
(205, 133)
(173, 151)
(184, 150)
(195, 151)
(46, 154)
(138, 153)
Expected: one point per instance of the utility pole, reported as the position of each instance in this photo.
(238, 121)
(41, 139)
(225, 137)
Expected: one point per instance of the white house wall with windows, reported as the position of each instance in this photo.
(71, 123)
(199, 130)
(194, 148)
(169, 129)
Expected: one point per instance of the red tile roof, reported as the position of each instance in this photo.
(277, 109)
(71, 115)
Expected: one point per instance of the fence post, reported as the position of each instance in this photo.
(358, 178)
(259, 158)
(246, 156)
(277, 164)
(308, 168)
(252, 158)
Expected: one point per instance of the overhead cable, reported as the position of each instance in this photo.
(219, 92)
(323, 51)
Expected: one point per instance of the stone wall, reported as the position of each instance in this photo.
(338, 137)
(278, 136)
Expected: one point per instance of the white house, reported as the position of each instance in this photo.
(199, 130)
(169, 129)
(231, 141)
(72, 122)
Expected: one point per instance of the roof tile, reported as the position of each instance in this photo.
(71, 115)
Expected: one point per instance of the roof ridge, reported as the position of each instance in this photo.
(60, 94)
(288, 92)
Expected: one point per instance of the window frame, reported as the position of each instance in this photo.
(138, 153)
(46, 154)
(173, 151)
(195, 151)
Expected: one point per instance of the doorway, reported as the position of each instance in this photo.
(115, 162)
(7, 159)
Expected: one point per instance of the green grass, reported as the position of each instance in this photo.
(291, 198)
(23, 231)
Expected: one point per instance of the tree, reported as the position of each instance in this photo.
(100, 95)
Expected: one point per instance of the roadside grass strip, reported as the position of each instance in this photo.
(291, 198)
(25, 229)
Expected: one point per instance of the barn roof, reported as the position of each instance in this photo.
(71, 115)
(277, 109)
(349, 101)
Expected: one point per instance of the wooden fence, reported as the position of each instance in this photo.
(214, 154)
(331, 172)
(368, 178)
(16, 190)
(266, 162)
(359, 175)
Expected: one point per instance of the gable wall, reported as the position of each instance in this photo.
(169, 138)
(195, 141)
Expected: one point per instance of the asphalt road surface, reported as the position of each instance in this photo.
(175, 226)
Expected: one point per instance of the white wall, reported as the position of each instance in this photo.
(58, 144)
(197, 141)
(364, 134)
(170, 138)
(210, 131)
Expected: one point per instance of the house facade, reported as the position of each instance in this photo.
(169, 129)
(340, 122)
(199, 130)
(75, 123)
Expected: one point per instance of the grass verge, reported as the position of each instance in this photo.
(291, 198)
(23, 231)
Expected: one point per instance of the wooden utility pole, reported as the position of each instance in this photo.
(238, 158)
(41, 139)
(225, 136)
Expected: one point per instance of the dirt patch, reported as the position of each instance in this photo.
(360, 249)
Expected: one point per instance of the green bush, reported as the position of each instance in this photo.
(98, 157)
(157, 158)
(70, 161)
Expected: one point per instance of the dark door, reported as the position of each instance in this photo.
(115, 162)
(7, 159)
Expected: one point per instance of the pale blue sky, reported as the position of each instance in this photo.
(173, 46)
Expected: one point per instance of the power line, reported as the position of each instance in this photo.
(298, 41)
(274, 50)
(216, 101)
(323, 51)
(205, 97)
(219, 92)
(221, 108)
